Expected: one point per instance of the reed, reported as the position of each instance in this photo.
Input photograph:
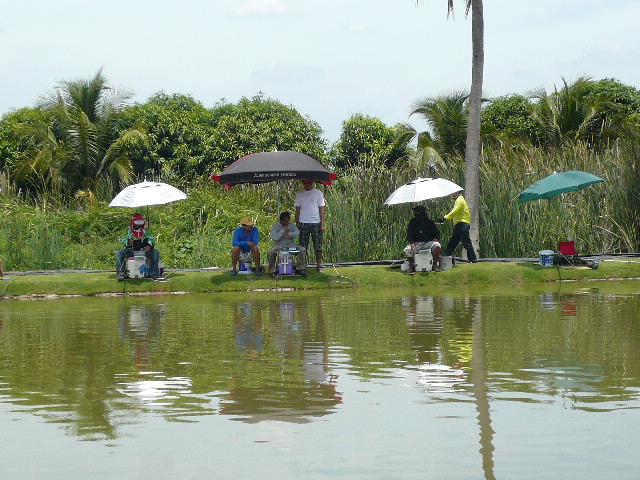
(196, 232)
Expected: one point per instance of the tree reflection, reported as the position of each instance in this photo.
(444, 348)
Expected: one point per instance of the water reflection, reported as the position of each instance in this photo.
(302, 386)
(140, 326)
(426, 328)
(247, 326)
(489, 363)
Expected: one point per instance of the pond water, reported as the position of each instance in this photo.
(343, 384)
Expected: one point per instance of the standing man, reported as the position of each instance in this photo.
(309, 205)
(422, 233)
(285, 235)
(245, 240)
(461, 219)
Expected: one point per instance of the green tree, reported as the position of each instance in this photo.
(178, 137)
(15, 148)
(566, 115)
(81, 142)
(510, 118)
(368, 139)
(261, 124)
(446, 116)
(594, 112)
(618, 111)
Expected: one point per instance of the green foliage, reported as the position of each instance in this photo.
(262, 124)
(197, 232)
(366, 139)
(184, 139)
(587, 111)
(509, 118)
(13, 147)
(75, 150)
(446, 117)
(178, 130)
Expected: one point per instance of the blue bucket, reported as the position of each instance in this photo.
(546, 258)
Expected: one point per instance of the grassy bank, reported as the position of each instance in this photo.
(481, 275)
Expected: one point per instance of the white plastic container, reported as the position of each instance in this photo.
(133, 266)
(446, 262)
(285, 263)
(424, 261)
(245, 268)
(546, 258)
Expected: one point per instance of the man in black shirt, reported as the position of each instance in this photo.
(422, 234)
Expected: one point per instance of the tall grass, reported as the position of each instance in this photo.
(197, 232)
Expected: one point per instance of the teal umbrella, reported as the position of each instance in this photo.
(558, 183)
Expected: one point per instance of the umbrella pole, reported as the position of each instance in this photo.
(278, 197)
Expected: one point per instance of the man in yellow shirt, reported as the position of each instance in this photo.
(461, 218)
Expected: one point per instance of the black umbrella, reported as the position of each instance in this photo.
(276, 166)
(272, 167)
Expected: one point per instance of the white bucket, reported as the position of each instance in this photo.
(245, 268)
(423, 261)
(546, 258)
(446, 262)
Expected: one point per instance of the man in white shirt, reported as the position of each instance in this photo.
(309, 205)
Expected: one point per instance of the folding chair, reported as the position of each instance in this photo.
(567, 253)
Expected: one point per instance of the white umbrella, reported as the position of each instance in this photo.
(147, 193)
(422, 189)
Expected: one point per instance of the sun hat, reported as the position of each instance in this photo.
(246, 221)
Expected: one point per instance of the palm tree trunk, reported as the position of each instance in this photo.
(472, 155)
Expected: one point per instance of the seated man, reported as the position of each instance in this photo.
(422, 234)
(138, 238)
(245, 240)
(285, 235)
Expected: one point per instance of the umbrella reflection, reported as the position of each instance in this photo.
(302, 387)
(157, 388)
(140, 326)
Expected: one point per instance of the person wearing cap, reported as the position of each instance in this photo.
(245, 240)
(461, 219)
(285, 235)
(422, 234)
(138, 238)
(309, 203)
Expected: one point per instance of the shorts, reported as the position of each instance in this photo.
(409, 251)
(316, 233)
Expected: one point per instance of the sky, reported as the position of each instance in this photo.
(329, 59)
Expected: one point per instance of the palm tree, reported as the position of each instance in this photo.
(84, 114)
(447, 117)
(472, 150)
(42, 168)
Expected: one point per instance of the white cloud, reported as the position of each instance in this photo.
(260, 6)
